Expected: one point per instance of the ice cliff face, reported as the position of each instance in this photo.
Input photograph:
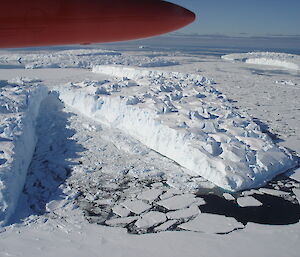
(278, 60)
(20, 101)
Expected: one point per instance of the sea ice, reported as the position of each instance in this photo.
(136, 206)
(248, 201)
(178, 202)
(191, 211)
(121, 211)
(274, 192)
(251, 192)
(171, 192)
(151, 219)
(228, 197)
(165, 226)
(211, 223)
(150, 195)
(71, 235)
(121, 221)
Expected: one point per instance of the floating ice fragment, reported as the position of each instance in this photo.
(228, 197)
(178, 202)
(191, 211)
(151, 219)
(165, 226)
(273, 192)
(171, 192)
(211, 223)
(252, 192)
(248, 201)
(136, 206)
(121, 221)
(121, 211)
(150, 195)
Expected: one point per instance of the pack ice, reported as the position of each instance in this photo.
(183, 117)
(19, 105)
(79, 58)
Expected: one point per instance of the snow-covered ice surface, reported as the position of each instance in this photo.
(91, 172)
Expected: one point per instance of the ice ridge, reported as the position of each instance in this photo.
(17, 139)
(183, 117)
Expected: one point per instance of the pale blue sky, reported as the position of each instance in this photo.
(253, 17)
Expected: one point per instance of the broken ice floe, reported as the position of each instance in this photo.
(121, 221)
(216, 142)
(150, 195)
(136, 206)
(165, 226)
(104, 193)
(178, 202)
(211, 223)
(151, 219)
(121, 211)
(248, 201)
(191, 211)
(273, 192)
(228, 197)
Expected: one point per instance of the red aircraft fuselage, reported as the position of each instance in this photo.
(25, 23)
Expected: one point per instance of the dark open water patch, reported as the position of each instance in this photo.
(278, 208)
(274, 211)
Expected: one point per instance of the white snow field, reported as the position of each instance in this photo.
(123, 152)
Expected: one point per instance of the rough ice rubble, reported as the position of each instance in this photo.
(280, 60)
(79, 58)
(185, 118)
(19, 106)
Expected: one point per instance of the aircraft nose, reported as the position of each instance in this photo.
(177, 16)
(189, 16)
(184, 14)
